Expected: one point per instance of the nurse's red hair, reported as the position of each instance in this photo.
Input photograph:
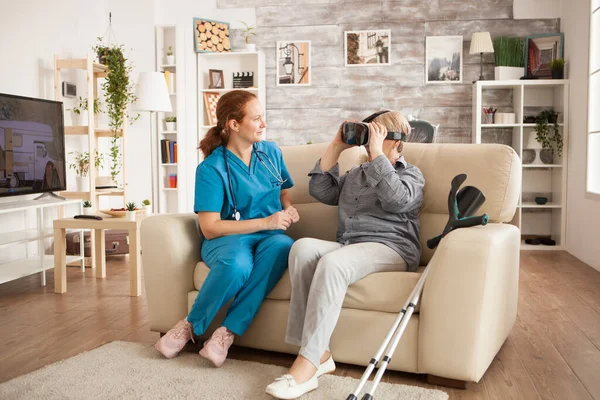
(232, 105)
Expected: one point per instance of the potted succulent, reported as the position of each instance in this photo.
(249, 31)
(170, 57)
(557, 66)
(131, 211)
(81, 165)
(171, 123)
(87, 207)
(548, 134)
(509, 54)
(147, 208)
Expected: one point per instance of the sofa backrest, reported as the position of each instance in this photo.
(493, 168)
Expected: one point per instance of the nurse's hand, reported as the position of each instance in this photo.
(291, 210)
(279, 220)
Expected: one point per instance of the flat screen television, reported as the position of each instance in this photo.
(32, 146)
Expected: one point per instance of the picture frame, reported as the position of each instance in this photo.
(443, 59)
(367, 48)
(216, 79)
(540, 50)
(210, 106)
(293, 63)
(211, 36)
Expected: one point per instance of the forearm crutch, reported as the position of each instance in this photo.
(461, 206)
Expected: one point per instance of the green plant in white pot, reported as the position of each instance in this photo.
(169, 56)
(81, 165)
(171, 123)
(131, 211)
(147, 206)
(249, 31)
(509, 54)
(79, 116)
(87, 207)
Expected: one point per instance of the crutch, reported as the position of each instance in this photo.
(462, 204)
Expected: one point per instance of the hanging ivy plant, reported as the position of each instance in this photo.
(119, 92)
(549, 136)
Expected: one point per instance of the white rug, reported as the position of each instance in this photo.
(123, 370)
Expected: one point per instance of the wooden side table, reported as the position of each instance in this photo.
(98, 247)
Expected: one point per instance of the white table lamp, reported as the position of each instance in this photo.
(153, 96)
(481, 42)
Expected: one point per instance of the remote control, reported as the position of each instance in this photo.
(88, 217)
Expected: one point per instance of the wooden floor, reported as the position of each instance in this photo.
(553, 351)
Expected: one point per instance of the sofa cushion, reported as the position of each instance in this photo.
(381, 291)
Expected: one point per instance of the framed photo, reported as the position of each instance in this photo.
(293, 63)
(211, 36)
(210, 105)
(443, 59)
(367, 48)
(216, 79)
(540, 50)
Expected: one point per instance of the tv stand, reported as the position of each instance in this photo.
(38, 262)
(51, 195)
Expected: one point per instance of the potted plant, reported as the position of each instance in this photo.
(119, 92)
(87, 207)
(81, 165)
(171, 123)
(249, 31)
(131, 211)
(147, 208)
(509, 54)
(81, 105)
(548, 134)
(557, 66)
(170, 56)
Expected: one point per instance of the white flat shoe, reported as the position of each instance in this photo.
(285, 387)
(327, 367)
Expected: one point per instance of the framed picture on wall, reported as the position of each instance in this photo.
(293, 63)
(443, 59)
(540, 50)
(367, 48)
(211, 36)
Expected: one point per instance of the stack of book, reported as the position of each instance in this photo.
(168, 151)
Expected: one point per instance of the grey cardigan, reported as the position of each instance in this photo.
(377, 202)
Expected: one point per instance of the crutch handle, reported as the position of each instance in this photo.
(470, 221)
(433, 242)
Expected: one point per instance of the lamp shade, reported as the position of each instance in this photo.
(152, 92)
(481, 42)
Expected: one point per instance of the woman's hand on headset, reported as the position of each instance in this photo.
(291, 210)
(279, 220)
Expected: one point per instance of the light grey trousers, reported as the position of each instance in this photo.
(321, 272)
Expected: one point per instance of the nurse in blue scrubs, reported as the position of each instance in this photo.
(243, 210)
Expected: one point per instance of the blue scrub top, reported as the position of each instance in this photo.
(257, 192)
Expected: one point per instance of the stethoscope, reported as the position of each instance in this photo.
(273, 172)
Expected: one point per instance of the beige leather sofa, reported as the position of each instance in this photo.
(469, 302)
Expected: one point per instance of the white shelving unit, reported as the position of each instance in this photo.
(42, 262)
(528, 98)
(171, 200)
(229, 63)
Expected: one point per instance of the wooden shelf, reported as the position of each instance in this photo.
(80, 63)
(83, 130)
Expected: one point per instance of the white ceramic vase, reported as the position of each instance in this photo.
(83, 184)
(130, 215)
(251, 47)
(170, 60)
(87, 211)
(148, 209)
(508, 73)
(171, 126)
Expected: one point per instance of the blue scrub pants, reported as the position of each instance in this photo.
(246, 267)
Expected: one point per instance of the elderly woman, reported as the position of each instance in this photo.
(378, 231)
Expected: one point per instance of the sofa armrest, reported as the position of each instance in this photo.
(469, 302)
(170, 251)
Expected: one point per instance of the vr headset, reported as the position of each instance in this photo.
(357, 133)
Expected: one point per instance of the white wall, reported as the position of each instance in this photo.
(583, 211)
(33, 31)
(526, 9)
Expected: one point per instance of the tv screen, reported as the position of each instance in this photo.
(32, 146)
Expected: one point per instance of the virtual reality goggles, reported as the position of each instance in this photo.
(357, 133)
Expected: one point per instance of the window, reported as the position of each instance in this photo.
(593, 139)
